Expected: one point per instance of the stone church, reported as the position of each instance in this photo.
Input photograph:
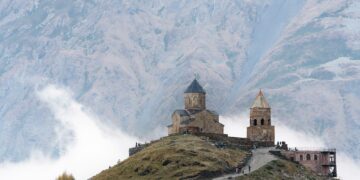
(260, 128)
(195, 117)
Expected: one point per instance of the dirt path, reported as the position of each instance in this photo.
(260, 157)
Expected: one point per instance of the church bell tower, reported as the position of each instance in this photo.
(260, 128)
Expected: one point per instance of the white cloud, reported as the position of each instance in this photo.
(94, 147)
(346, 166)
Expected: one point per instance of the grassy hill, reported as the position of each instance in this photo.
(194, 157)
(281, 169)
(176, 157)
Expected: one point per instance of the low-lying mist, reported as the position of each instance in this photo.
(92, 148)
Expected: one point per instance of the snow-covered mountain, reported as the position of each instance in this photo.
(130, 61)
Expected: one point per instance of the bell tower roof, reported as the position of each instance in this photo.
(195, 87)
(260, 101)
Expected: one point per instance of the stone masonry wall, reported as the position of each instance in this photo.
(195, 101)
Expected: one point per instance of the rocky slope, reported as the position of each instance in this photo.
(131, 60)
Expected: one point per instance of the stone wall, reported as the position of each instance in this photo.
(260, 128)
(207, 123)
(219, 140)
(234, 142)
(261, 133)
(258, 114)
(195, 101)
(175, 124)
(189, 130)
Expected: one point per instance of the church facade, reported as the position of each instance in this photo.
(260, 128)
(195, 118)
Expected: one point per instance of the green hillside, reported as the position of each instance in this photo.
(194, 157)
(176, 157)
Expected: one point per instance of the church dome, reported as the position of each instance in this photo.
(195, 87)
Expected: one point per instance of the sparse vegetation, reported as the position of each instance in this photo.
(176, 157)
(65, 176)
(281, 169)
(193, 157)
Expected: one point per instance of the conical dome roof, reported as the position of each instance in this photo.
(260, 101)
(195, 87)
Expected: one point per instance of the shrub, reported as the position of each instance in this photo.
(65, 176)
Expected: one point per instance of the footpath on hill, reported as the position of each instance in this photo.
(260, 157)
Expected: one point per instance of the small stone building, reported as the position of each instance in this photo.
(195, 117)
(322, 161)
(260, 128)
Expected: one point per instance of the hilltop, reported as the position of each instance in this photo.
(196, 157)
(177, 157)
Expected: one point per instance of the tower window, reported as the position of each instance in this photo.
(315, 157)
(269, 122)
(255, 122)
(262, 121)
(195, 99)
(308, 157)
(301, 157)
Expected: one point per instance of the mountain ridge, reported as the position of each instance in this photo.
(130, 61)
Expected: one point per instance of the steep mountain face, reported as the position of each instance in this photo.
(130, 61)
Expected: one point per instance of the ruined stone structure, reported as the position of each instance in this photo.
(195, 117)
(323, 161)
(260, 128)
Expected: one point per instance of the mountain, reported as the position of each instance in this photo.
(130, 61)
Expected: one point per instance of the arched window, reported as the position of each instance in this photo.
(269, 122)
(195, 99)
(308, 157)
(262, 121)
(255, 122)
(301, 157)
(315, 157)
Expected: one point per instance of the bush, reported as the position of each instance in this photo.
(65, 176)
